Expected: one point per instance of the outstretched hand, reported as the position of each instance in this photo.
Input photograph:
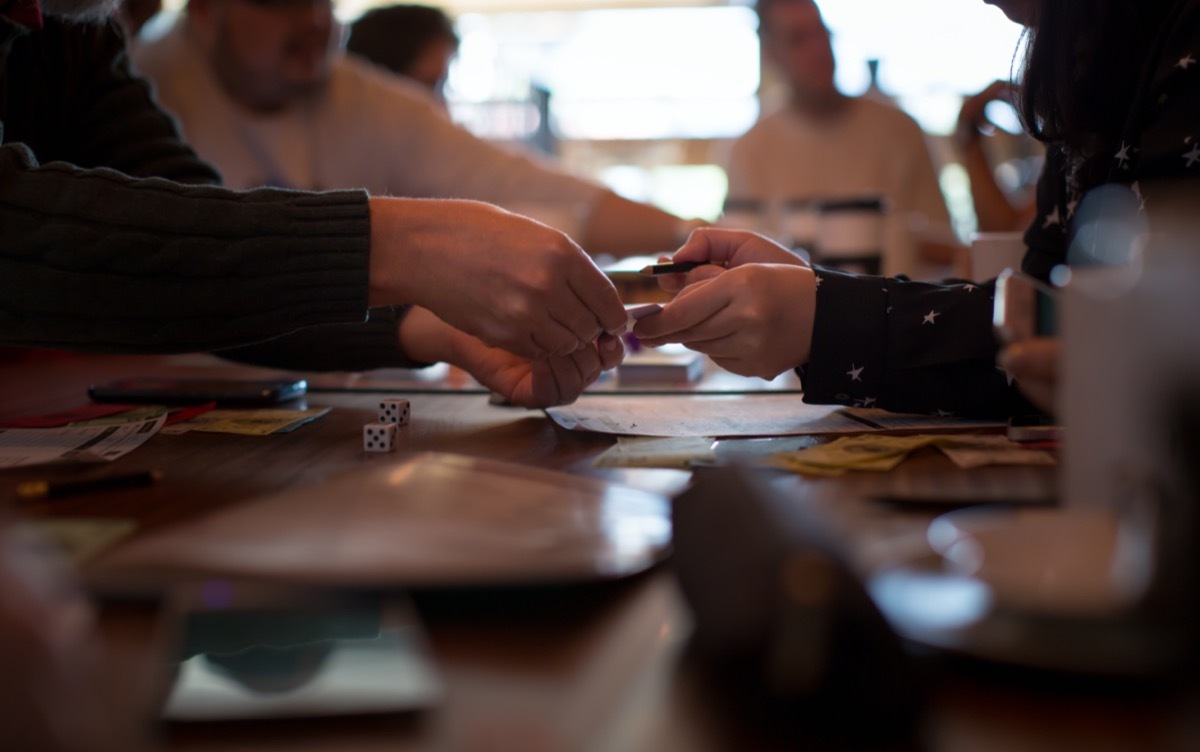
(720, 249)
(557, 380)
(753, 320)
(503, 278)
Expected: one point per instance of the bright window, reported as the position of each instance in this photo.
(617, 74)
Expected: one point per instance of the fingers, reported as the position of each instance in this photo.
(595, 293)
(687, 317)
(544, 386)
(677, 282)
(578, 318)
(1034, 364)
(611, 351)
(567, 377)
(1033, 359)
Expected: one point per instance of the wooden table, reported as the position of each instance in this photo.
(595, 667)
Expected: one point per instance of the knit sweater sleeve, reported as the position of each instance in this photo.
(94, 258)
(97, 260)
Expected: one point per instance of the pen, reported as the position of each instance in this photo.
(45, 489)
(671, 267)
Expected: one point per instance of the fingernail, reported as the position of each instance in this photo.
(610, 344)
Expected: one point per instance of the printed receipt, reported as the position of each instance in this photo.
(35, 446)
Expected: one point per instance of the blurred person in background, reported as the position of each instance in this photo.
(823, 145)
(1111, 87)
(995, 209)
(116, 238)
(263, 91)
(414, 41)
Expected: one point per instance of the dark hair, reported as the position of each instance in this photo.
(1084, 63)
(395, 35)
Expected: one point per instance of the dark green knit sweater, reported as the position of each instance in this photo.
(115, 238)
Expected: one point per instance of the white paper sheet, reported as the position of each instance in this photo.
(759, 414)
(35, 446)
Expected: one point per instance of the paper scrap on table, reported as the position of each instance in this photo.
(882, 453)
(981, 451)
(78, 415)
(760, 414)
(639, 451)
(77, 538)
(130, 415)
(248, 422)
(34, 446)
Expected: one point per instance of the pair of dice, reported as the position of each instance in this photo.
(381, 436)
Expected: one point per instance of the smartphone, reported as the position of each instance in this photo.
(250, 652)
(192, 391)
(1025, 308)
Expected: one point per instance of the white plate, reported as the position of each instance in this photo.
(1027, 587)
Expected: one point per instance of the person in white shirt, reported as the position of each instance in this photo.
(825, 146)
(263, 92)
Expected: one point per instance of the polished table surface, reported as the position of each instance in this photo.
(597, 666)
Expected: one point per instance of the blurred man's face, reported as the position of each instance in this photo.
(267, 53)
(796, 41)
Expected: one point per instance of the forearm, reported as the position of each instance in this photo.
(96, 260)
(908, 347)
(993, 209)
(621, 227)
(374, 343)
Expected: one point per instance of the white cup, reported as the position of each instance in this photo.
(993, 252)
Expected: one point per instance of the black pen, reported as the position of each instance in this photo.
(45, 489)
(671, 267)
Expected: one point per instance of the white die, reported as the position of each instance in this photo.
(394, 411)
(379, 437)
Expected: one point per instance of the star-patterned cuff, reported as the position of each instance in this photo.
(849, 345)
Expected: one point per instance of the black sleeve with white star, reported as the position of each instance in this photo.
(1046, 237)
(917, 347)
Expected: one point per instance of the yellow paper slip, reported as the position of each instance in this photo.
(883, 453)
(248, 422)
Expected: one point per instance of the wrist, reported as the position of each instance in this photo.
(427, 339)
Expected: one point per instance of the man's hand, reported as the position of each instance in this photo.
(557, 380)
(506, 279)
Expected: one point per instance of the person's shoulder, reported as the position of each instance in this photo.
(353, 76)
(873, 109)
(874, 115)
(766, 127)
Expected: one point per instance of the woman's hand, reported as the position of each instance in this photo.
(719, 250)
(754, 319)
(1034, 365)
